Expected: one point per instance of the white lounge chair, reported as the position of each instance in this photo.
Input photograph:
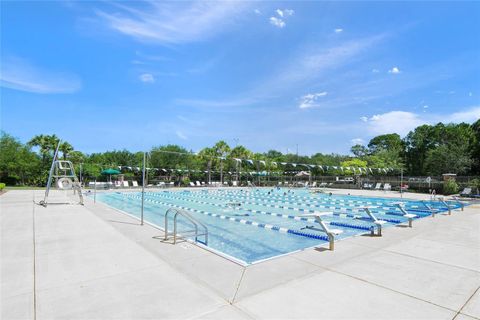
(314, 184)
(466, 192)
(135, 183)
(387, 187)
(192, 184)
(198, 183)
(125, 184)
(378, 186)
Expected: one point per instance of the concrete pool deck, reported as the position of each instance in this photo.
(91, 262)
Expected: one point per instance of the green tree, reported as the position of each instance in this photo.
(65, 148)
(359, 151)
(209, 156)
(353, 163)
(222, 151)
(17, 162)
(391, 142)
(46, 144)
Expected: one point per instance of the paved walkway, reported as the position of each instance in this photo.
(91, 262)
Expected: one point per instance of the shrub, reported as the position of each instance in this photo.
(475, 184)
(450, 187)
(2, 186)
(186, 182)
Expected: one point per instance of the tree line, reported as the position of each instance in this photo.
(428, 150)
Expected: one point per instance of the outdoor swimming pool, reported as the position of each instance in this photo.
(250, 225)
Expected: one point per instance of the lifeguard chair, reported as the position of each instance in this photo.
(62, 176)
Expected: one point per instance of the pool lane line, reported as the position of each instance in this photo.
(242, 221)
(297, 218)
(343, 214)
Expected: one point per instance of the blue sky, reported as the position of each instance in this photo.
(268, 75)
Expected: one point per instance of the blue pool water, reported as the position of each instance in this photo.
(268, 223)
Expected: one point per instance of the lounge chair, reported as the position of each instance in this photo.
(135, 183)
(125, 184)
(314, 184)
(387, 187)
(192, 184)
(198, 183)
(323, 185)
(378, 186)
(467, 192)
(367, 185)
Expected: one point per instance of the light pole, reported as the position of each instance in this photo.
(143, 186)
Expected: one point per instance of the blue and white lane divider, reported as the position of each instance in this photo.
(390, 209)
(302, 204)
(242, 221)
(358, 203)
(297, 218)
(343, 214)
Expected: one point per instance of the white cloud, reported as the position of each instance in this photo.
(257, 11)
(470, 94)
(280, 22)
(313, 62)
(338, 30)
(357, 141)
(277, 22)
(394, 70)
(402, 122)
(471, 115)
(310, 100)
(174, 22)
(285, 12)
(18, 74)
(181, 135)
(147, 78)
(375, 71)
(364, 119)
(425, 107)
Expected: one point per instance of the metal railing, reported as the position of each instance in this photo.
(184, 234)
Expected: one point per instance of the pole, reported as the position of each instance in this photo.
(401, 182)
(221, 172)
(95, 191)
(143, 186)
(80, 174)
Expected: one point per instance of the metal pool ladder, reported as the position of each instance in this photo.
(194, 232)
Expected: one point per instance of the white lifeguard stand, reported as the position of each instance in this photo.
(62, 175)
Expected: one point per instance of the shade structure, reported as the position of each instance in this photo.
(110, 171)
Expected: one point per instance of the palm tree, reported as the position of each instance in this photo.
(222, 149)
(46, 143)
(240, 152)
(208, 154)
(65, 148)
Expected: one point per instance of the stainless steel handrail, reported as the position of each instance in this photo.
(189, 217)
